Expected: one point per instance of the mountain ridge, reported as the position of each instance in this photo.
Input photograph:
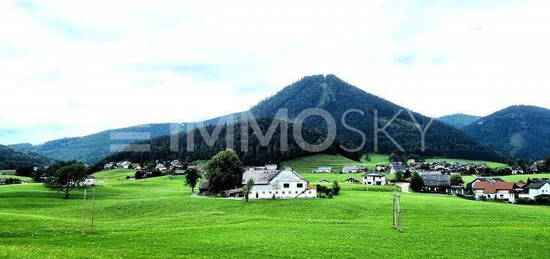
(520, 131)
(459, 120)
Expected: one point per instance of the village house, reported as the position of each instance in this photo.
(124, 164)
(351, 180)
(374, 178)
(435, 181)
(285, 183)
(396, 167)
(456, 190)
(381, 168)
(350, 169)
(494, 191)
(534, 188)
(323, 169)
(90, 181)
(411, 162)
(136, 166)
(516, 170)
(161, 167)
(109, 166)
(470, 185)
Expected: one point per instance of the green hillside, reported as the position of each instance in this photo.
(519, 131)
(158, 218)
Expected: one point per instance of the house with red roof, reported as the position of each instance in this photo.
(494, 191)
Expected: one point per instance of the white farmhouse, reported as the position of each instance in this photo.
(323, 169)
(494, 191)
(374, 178)
(535, 188)
(90, 181)
(285, 183)
(350, 169)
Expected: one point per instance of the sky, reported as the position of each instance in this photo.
(72, 68)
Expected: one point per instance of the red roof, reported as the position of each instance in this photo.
(493, 187)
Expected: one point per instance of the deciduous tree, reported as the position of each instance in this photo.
(67, 178)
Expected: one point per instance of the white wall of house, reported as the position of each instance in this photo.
(545, 189)
(285, 185)
(499, 195)
(374, 180)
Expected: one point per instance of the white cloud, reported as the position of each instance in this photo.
(93, 65)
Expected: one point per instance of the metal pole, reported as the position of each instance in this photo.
(93, 212)
(84, 214)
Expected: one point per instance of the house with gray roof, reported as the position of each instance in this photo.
(534, 188)
(397, 167)
(284, 184)
(374, 178)
(435, 181)
(323, 169)
(349, 169)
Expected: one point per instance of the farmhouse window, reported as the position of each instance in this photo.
(300, 185)
(286, 185)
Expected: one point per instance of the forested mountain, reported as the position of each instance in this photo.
(326, 92)
(92, 148)
(336, 97)
(520, 131)
(11, 159)
(257, 154)
(459, 120)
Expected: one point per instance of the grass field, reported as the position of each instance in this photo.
(510, 178)
(158, 218)
(490, 164)
(22, 178)
(7, 172)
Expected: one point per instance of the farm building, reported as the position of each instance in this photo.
(278, 184)
(494, 191)
(435, 181)
(323, 169)
(397, 167)
(374, 178)
(349, 169)
(351, 180)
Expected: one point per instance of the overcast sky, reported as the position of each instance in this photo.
(70, 68)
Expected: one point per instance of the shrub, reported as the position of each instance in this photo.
(335, 188)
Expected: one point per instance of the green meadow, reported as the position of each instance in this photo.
(158, 218)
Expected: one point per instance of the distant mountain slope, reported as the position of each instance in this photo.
(459, 120)
(92, 148)
(255, 155)
(520, 131)
(11, 159)
(336, 97)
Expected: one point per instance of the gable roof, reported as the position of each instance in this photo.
(374, 174)
(493, 187)
(435, 179)
(537, 184)
(265, 176)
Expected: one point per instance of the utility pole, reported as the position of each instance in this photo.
(84, 214)
(93, 211)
